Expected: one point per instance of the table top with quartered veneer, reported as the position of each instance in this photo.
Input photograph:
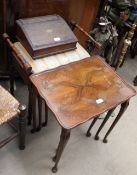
(81, 91)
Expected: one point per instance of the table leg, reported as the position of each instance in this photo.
(30, 106)
(65, 135)
(88, 134)
(46, 115)
(121, 112)
(34, 98)
(40, 112)
(22, 127)
(103, 123)
(135, 81)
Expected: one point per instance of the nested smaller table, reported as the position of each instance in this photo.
(81, 91)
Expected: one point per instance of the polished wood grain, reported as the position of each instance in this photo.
(71, 92)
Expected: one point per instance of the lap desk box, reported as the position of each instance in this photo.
(46, 35)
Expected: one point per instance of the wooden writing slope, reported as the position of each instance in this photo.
(46, 35)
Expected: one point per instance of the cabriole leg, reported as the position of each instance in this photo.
(46, 116)
(121, 112)
(92, 124)
(135, 81)
(34, 98)
(65, 135)
(40, 112)
(30, 106)
(103, 123)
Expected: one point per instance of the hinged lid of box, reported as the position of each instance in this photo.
(46, 35)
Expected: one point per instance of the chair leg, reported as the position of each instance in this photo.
(22, 127)
(12, 79)
(88, 134)
(121, 112)
(40, 112)
(103, 123)
(65, 135)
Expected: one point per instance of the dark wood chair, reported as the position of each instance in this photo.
(25, 69)
(9, 109)
(24, 9)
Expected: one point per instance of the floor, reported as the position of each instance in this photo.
(82, 156)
